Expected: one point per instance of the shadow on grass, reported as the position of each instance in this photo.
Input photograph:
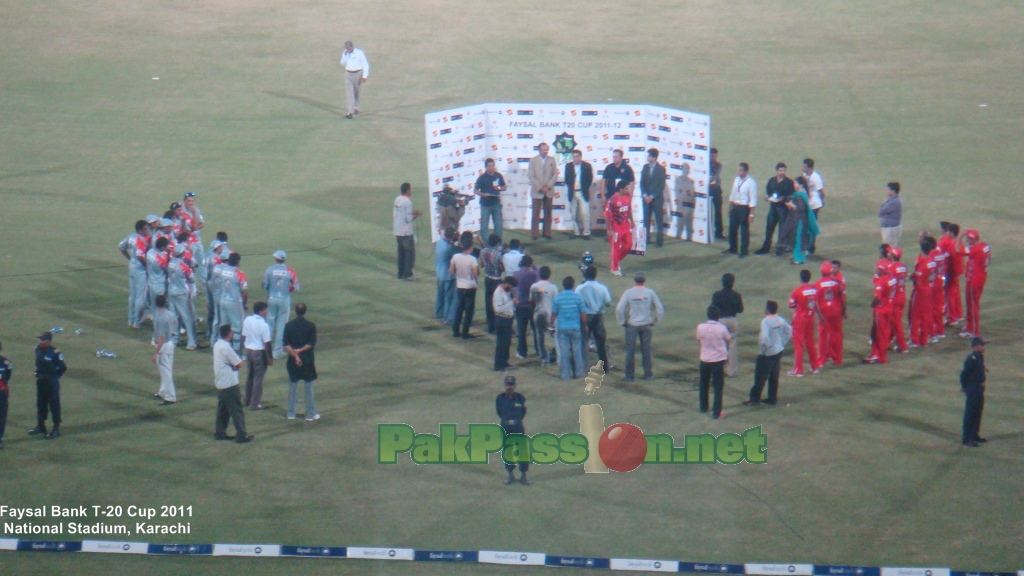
(307, 101)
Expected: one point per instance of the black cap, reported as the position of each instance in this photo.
(510, 380)
(175, 205)
(48, 336)
(978, 341)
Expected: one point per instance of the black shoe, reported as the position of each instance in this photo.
(165, 403)
(456, 334)
(770, 402)
(743, 255)
(510, 481)
(157, 395)
(37, 430)
(972, 444)
(223, 437)
(980, 439)
(728, 251)
(348, 116)
(54, 434)
(245, 440)
(649, 377)
(763, 251)
(524, 481)
(751, 403)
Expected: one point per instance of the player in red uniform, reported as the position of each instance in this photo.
(979, 256)
(899, 304)
(954, 269)
(831, 303)
(939, 256)
(886, 288)
(618, 213)
(803, 301)
(920, 300)
(884, 258)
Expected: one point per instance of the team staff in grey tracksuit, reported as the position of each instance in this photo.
(279, 281)
(180, 280)
(134, 248)
(234, 297)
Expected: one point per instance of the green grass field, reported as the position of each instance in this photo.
(865, 465)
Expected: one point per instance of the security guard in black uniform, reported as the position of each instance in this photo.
(972, 382)
(49, 368)
(6, 369)
(511, 407)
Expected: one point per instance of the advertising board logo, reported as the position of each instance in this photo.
(701, 147)
(524, 136)
(590, 113)
(435, 145)
(458, 165)
(621, 137)
(446, 131)
(689, 157)
(494, 147)
(637, 124)
(509, 135)
(565, 143)
(468, 150)
(572, 113)
(456, 117)
(664, 128)
(605, 136)
(676, 119)
(445, 118)
(702, 135)
(508, 112)
(524, 112)
(479, 136)
(653, 138)
(637, 148)
(636, 113)
(447, 179)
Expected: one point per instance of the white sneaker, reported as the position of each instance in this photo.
(291, 417)
(314, 418)
(616, 272)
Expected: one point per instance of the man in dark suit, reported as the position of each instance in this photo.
(618, 171)
(579, 193)
(972, 382)
(652, 187)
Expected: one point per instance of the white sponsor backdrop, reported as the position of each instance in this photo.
(460, 140)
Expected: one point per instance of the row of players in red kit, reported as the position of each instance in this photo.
(935, 302)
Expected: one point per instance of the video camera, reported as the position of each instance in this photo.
(449, 197)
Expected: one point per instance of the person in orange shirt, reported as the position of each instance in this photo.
(954, 269)
(899, 304)
(979, 256)
(831, 304)
(803, 302)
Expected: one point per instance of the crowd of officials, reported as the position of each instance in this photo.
(522, 301)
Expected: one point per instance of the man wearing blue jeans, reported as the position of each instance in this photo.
(570, 325)
(445, 302)
(299, 340)
(488, 187)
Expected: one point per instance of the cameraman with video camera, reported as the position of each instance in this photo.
(450, 207)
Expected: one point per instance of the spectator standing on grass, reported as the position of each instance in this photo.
(742, 202)
(638, 311)
(570, 327)
(357, 72)
(596, 298)
(775, 332)
(652, 190)
(6, 371)
(279, 281)
(729, 303)
(525, 277)
(890, 216)
(229, 400)
(402, 227)
(504, 302)
(491, 258)
(165, 335)
(972, 382)
(510, 261)
(259, 354)
(445, 300)
(715, 193)
(464, 268)
(299, 340)
(777, 192)
(815, 194)
(542, 295)
(714, 353)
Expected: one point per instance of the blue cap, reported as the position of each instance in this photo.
(280, 255)
(179, 249)
(166, 222)
(216, 244)
(152, 218)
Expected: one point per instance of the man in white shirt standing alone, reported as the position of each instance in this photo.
(357, 71)
(225, 377)
(742, 201)
(258, 354)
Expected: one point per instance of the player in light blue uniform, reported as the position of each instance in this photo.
(279, 281)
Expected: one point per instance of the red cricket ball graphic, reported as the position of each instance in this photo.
(622, 447)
